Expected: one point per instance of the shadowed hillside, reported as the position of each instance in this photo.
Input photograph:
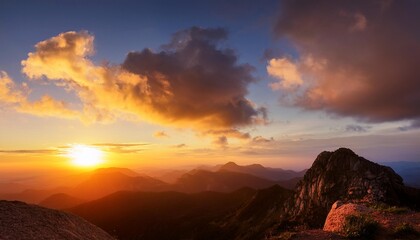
(221, 181)
(163, 215)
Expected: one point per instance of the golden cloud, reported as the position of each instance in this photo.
(191, 83)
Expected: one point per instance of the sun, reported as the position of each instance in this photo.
(85, 156)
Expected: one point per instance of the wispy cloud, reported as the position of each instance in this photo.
(160, 134)
(356, 128)
(31, 151)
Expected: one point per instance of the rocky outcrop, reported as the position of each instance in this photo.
(343, 175)
(19, 220)
(336, 218)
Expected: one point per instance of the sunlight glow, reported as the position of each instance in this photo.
(85, 156)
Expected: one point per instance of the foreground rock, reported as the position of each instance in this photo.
(336, 218)
(19, 220)
(378, 221)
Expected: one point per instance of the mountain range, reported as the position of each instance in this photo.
(105, 181)
(245, 202)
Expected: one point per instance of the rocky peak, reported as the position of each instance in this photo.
(343, 175)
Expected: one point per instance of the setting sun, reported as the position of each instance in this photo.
(85, 156)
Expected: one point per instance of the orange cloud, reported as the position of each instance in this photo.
(47, 106)
(160, 134)
(191, 83)
(286, 71)
(16, 97)
(9, 92)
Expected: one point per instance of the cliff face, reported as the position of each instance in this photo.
(19, 220)
(343, 175)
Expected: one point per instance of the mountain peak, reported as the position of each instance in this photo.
(230, 164)
(343, 175)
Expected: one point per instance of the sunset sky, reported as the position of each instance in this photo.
(181, 83)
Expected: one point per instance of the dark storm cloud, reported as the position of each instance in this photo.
(194, 80)
(356, 58)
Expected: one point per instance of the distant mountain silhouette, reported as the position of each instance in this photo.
(274, 174)
(110, 170)
(19, 220)
(61, 201)
(106, 181)
(170, 176)
(33, 195)
(409, 171)
(343, 175)
(164, 215)
(221, 181)
(11, 187)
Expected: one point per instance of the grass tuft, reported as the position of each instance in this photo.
(405, 231)
(360, 226)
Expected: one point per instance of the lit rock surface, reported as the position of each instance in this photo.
(19, 220)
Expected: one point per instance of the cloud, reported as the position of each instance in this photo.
(9, 92)
(122, 147)
(191, 82)
(194, 81)
(232, 133)
(31, 151)
(355, 58)
(16, 97)
(415, 124)
(287, 71)
(47, 106)
(160, 134)
(260, 139)
(221, 141)
(120, 144)
(182, 145)
(356, 128)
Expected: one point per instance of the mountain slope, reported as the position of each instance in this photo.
(22, 221)
(163, 215)
(257, 215)
(60, 201)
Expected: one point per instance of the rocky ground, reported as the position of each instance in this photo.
(19, 220)
(390, 222)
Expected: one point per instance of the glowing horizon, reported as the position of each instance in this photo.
(169, 89)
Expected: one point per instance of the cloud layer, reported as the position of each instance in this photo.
(191, 82)
(356, 58)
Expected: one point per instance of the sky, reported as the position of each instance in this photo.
(164, 84)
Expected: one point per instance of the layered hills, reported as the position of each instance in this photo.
(247, 202)
(105, 181)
